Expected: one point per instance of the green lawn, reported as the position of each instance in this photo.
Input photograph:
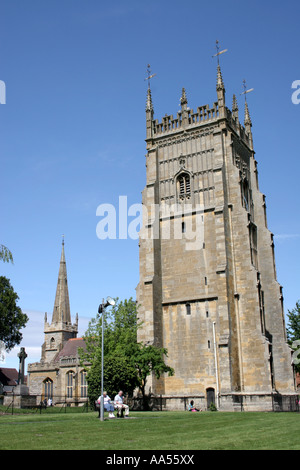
(151, 431)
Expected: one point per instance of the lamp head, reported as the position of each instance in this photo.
(110, 301)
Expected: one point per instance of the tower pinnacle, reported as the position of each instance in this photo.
(247, 119)
(183, 100)
(220, 92)
(149, 105)
(235, 108)
(220, 83)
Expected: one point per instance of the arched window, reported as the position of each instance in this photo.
(70, 381)
(184, 186)
(48, 388)
(52, 343)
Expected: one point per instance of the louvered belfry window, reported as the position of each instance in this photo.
(184, 186)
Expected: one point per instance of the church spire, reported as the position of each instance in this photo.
(61, 310)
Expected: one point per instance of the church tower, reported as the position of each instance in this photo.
(59, 375)
(61, 329)
(208, 290)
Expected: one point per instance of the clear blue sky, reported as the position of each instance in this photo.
(73, 127)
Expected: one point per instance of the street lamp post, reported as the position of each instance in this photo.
(101, 309)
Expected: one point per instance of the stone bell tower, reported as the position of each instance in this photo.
(214, 304)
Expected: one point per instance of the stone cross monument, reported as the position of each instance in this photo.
(22, 356)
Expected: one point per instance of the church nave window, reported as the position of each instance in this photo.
(70, 375)
(83, 384)
(48, 389)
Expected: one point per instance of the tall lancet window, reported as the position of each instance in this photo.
(48, 388)
(184, 186)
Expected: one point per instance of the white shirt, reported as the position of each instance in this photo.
(118, 399)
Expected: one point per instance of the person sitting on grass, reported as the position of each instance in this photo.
(119, 405)
(191, 406)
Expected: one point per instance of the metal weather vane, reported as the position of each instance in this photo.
(245, 89)
(149, 75)
(219, 52)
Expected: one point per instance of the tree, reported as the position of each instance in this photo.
(12, 319)
(293, 327)
(120, 326)
(127, 363)
(5, 254)
(293, 333)
(148, 359)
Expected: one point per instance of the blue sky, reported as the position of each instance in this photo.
(73, 127)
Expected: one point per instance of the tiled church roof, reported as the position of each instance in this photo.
(70, 348)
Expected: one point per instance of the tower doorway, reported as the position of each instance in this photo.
(210, 397)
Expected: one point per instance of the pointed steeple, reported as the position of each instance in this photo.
(61, 310)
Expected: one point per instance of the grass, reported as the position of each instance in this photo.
(151, 431)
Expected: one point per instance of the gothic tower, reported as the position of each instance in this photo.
(208, 290)
(61, 328)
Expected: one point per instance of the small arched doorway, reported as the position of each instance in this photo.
(210, 397)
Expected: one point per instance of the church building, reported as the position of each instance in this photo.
(59, 376)
(208, 290)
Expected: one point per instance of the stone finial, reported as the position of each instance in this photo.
(183, 100)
